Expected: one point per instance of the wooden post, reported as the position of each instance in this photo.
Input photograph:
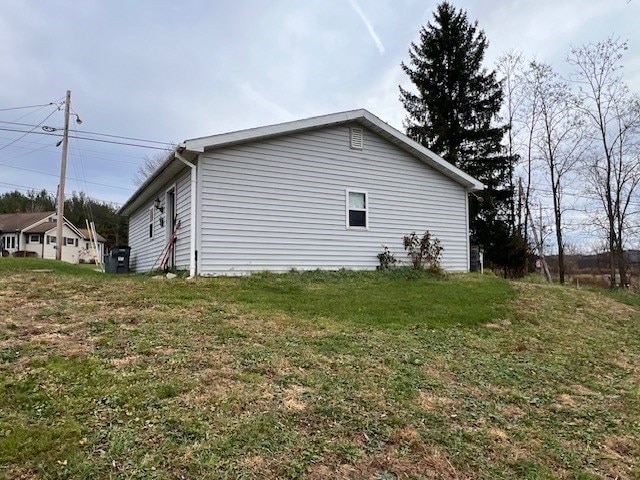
(63, 174)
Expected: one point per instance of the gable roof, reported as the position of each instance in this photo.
(36, 223)
(362, 117)
(15, 222)
(43, 227)
(85, 232)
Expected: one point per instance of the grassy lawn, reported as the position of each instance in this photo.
(377, 375)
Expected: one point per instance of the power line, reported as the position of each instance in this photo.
(28, 132)
(26, 188)
(53, 129)
(77, 179)
(125, 138)
(136, 158)
(84, 138)
(119, 143)
(26, 106)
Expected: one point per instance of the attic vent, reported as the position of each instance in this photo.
(357, 138)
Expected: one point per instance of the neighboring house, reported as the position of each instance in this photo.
(85, 254)
(326, 192)
(35, 234)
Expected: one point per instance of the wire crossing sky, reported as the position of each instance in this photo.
(169, 71)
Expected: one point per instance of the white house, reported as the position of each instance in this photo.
(326, 192)
(35, 234)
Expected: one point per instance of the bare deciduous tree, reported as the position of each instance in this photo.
(613, 115)
(509, 67)
(530, 118)
(150, 164)
(560, 141)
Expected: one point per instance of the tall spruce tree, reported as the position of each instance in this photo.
(453, 112)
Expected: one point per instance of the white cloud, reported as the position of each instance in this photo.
(281, 113)
(369, 26)
(135, 70)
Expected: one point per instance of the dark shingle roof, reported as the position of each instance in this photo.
(85, 232)
(11, 222)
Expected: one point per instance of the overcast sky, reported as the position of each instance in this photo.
(168, 71)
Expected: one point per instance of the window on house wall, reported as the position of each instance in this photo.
(151, 222)
(357, 209)
(34, 238)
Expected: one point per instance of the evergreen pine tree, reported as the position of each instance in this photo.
(453, 113)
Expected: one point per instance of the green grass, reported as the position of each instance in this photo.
(628, 297)
(26, 265)
(313, 375)
(382, 299)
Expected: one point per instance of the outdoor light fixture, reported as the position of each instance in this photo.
(157, 205)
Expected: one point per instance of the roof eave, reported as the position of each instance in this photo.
(131, 204)
(361, 116)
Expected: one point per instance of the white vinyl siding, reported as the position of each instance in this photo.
(183, 213)
(279, 203)
(145, 251)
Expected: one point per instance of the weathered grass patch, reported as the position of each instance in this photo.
(314, 375)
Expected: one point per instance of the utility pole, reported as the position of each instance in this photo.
(539, 241)
(63, 174)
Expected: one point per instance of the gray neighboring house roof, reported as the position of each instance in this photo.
(362, 117)
(85, 232)
(20, 222)
(16, 222)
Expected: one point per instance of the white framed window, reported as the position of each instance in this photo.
(34, 238)
(357, 209)
(151, 222)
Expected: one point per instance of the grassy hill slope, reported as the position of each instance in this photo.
(317, 375)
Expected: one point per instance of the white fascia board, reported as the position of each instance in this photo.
(35, 224)
(73, 227)
(145, 190)
(360, 116)
(426, 155)
(215, 141)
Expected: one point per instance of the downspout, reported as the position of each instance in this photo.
(467, 192)
(192, 239)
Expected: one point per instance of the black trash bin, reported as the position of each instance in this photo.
(118, 260)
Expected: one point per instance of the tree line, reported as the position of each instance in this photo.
(77, 209)
(522, 127)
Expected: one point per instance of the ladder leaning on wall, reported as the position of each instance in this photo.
(93, 244)
(166, 251)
